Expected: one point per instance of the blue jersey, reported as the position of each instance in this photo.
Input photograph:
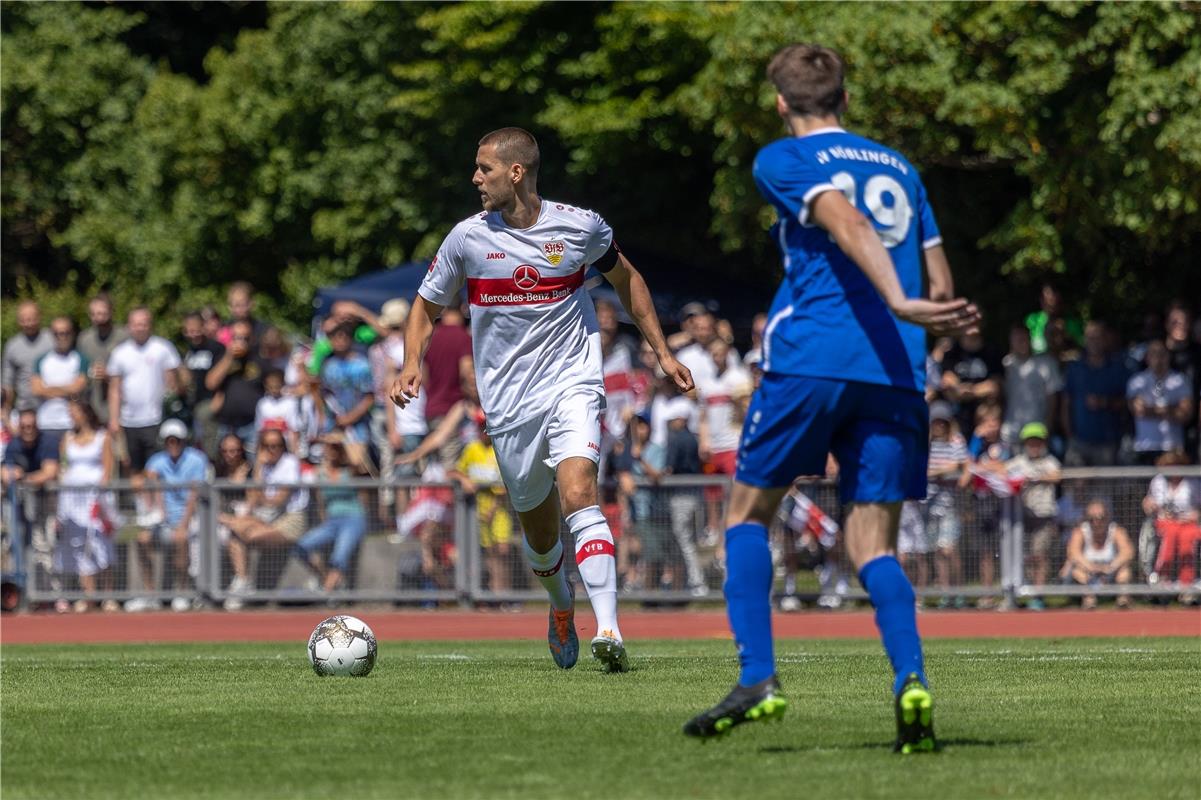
(827, 320)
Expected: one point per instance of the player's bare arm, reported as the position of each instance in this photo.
(859, 240)
(635, 296)
(418, 331)
(938, 273)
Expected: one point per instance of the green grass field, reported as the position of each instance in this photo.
(1114, 718)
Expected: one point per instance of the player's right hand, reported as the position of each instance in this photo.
(406, 386)
(941, 318)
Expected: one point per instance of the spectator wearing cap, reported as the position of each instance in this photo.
(178, 468)
(97, 343)
(1099, 552)
(1161, 401)
(1032, 384)
(1040, 472)
(1094, 398)
(946, 473)
(21, 353)
(58, 376)
(141, 371)
(683, 337)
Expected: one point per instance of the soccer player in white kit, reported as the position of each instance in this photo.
(538, 367)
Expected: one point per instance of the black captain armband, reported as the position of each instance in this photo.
(609, 260)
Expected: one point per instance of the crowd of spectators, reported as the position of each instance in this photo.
(234, 398)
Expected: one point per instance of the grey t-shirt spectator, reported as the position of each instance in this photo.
(20, 355)
(1029, 383)
(96, 348)
(1159, 433)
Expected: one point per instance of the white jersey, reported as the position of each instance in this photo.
(533, 328)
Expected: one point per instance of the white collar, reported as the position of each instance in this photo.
(827, 129)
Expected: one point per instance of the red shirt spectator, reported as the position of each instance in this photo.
(446, 362)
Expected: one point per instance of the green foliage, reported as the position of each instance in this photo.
(1056, 139)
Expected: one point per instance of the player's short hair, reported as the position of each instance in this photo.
(515, 146)
(809, 78)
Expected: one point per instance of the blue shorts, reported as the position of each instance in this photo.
(879, 434)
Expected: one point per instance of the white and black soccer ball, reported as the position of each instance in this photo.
(342, 645)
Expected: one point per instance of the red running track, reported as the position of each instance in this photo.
(291, 626)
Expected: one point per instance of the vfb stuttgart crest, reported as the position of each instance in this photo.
(554, 252)
(526, 277)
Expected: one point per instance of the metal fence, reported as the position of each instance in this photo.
(412, 543)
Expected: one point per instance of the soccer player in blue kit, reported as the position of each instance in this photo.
(844, 373)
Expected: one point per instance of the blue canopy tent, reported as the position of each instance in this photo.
(373, 289)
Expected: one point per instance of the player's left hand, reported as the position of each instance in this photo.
(678, 373)
(941, 318)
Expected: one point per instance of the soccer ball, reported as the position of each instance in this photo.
(342, 645)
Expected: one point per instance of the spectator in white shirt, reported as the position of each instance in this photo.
(1175, 505)
(278, 410)
(58, 376)
(141, 370)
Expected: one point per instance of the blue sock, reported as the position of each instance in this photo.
(748, 600)
(893, 598)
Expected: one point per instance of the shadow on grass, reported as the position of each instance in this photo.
(942, 745)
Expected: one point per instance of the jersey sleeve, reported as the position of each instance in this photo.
(600, 238)
(790, 181)
(928, 232)
(447, 272)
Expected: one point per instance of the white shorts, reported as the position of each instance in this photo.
(912, 535)
(529, 453)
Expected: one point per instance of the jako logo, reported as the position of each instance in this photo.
(594, 446)
(495, 256)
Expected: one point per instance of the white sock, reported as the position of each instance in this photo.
(548, 568)
(598, 567)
